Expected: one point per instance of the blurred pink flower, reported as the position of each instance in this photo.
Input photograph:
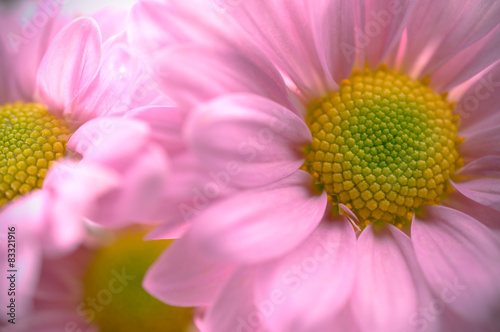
(114, 171)
(269, 253)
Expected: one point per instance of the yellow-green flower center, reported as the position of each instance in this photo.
(114, 297)
(32, 138)
(383, 145)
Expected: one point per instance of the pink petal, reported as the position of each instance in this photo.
(192, 74)
(488, 166)
(283, 30)
(247, 227)
(262, 137)
(459, 257)
(484, 214)
(320, 271)
(384, 22)
(155, 25)
(389, 286)
(333, 29)
(166, 125)
(468, 63)
(483, 191)
(234, 309)
(478, 106)
(70, 63)
(437, 31)
(481, 144)
(111, 21)
(183, 276)
(98, 139)
(107, 91)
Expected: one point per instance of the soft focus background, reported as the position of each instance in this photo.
(86, 6)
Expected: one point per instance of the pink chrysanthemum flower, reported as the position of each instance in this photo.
(365, 197)
(73, 146)
(97, 287)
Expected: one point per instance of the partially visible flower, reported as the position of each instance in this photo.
(98, 288)
(359, 199)
(72, 152)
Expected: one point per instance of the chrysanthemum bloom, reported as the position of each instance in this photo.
(68, 153)
(367, 197)
(98, 288)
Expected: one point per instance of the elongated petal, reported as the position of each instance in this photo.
(468, 63)
(235, 309)
(321, 270)
(387, 274)
(108, 90)
(192, 74)
(437, 31)
(481, 144)
(384, 22)
(459, 256)
(283, 30)
(183, 276)
(479, 105)
(262, 137)
(483, 191)
(246, 227)
(70, 63)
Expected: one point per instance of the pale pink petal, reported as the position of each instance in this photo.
(481, 144)
(154, 25)
(138, 199)
(479, 106)
(183, 276)
(287, 287)
(439, 30)
(284, 31)
(389, 285)
(384, 22)
(192, 74)
(70, 63)
(111, 21)
(488, 166)
(468, 63)
(459, 257)
(262, 137)
(166, 125)
(108, 89)
(246, 227)
(483, 191)
(235, 309)
(97, 140)
(333, 30)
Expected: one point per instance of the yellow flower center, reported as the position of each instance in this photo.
(384, 145)
(114, 297)
(32, 138)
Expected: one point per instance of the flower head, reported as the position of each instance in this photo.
(362, 182)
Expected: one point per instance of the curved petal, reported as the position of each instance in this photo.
(166, 125)
(235, 309)
(247, 227)
(481, 144)
(468, 63)
(333, 29)
(70, 64)
(107, 91)
(183, 276)
(437, 31)
(459, 257)
(488, 166)
(387, 274)
(483, 191)
(192, 74)
(320, 271)
(283, 30)
(484, 214)
(479, 106)
(262, 137)
(384, 22)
